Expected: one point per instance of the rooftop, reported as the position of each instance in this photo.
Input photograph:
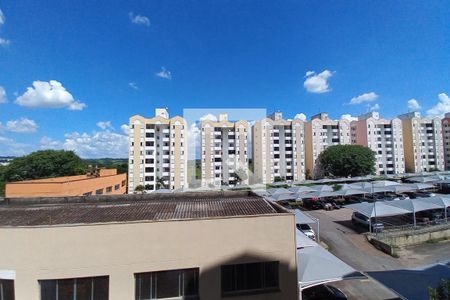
(133, 208)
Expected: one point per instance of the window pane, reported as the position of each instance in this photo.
(143, 286)
(271, 274)
(254, 276)
(167, 284)
(191, 282)
(48, 290)
(65, 289)
(84, 288)
(101, 288)
(7, 288)
(228, 279)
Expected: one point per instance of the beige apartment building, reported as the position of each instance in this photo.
(423, 143)
(278, 149)
(157, 152)
(446, 140)
(100, 248)
(320, 133)
(224, 152)
(384, 137)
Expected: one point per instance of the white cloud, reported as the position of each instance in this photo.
(138, 19)
(194, 141)
(3, 98)
(4, 42)
(413, 104)
(441, 108)
(133, 85)
(23, 125)
(49, 143)
(366, 97)
(374, 107)
(300, 116)
(164, 73)
(50, 94)
(97, 144)
(105, 125)
(125, 129)
(10, 147)
(349, 117)
(209, 117)
(317, 83)
(2, 18)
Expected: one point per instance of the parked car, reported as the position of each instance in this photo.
(334, 204)
(307, 230)
(315, 204)
(360, 219)
(323, 292)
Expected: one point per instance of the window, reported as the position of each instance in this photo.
(6, 289)
(99, 192)
(124, 182)
(167, 284)
(85, 194)
(109, 189)
(116, 187)
(249, 278)
(88, 288)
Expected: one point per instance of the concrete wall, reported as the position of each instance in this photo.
(120, 250)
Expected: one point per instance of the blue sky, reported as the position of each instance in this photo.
(103, 61)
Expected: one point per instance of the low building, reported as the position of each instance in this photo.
(149, 246)
(105, 181)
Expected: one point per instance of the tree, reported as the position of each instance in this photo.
(45, 164)
(139, 188)
(241, 175)
(160, 183)
(347, 160)
(442, 292)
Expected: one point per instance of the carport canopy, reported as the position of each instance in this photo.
(413, 205)
(301, 217)
(318, 266)
(377, 209)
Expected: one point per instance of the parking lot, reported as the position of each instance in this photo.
(345, 241)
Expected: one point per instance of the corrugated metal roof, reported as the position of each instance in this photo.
(176, 207)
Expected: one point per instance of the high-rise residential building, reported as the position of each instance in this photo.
(320, 133)
(157, 152)
(446, 137)
(224, 152)
(278, 149)
(384, 137)
(422, 142)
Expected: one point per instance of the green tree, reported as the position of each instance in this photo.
(160, 183)
(346, 160)
(442, 292)
(139, 188)
(45, 164)
(241, 175)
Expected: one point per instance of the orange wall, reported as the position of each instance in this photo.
(66, 186)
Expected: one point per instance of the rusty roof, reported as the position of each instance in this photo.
(132, 208)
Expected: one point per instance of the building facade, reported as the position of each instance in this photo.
(157, 152)
(101, 251)
(422, 142)
(320, 133)
(101, 182)
(224, 152)
(384, 137)
(278, 149)
(446, 140)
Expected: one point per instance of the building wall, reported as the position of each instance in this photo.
(121, 250)
(446, 140)
(158, 152)
(66, 186)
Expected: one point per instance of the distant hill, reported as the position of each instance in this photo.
(121, 164)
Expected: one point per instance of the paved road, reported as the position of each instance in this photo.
(346, 242)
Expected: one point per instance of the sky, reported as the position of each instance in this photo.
(73, 72)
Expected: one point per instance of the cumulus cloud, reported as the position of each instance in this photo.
(2, 18)
(125, 129)
(105, 125)
(138, 19)
(366, 97)
(50, 94)
(3, 98)
(49, 143)
(97, 144)
(209, 117)
(4, 42)
(441, 108)
(300, 116)
(374, 107)
(133, 85)
(194, 141)
(164, 73)
(317, 83)
(349, 117)
(10, 147)
(22, 125)
(413, 104)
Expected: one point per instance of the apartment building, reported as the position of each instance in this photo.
(138, 247)
(157, 152)
(422, 142)
(278, 149)
(320, 133)
(224, 152)
(384, 137)
(446, 140)
(97, 182)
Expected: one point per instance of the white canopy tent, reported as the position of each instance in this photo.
(280, 197)
(349, 192)
(302, 218)
(413, 205)
(377, 209)
(278, 191)
(322, 188)
(301, 189)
